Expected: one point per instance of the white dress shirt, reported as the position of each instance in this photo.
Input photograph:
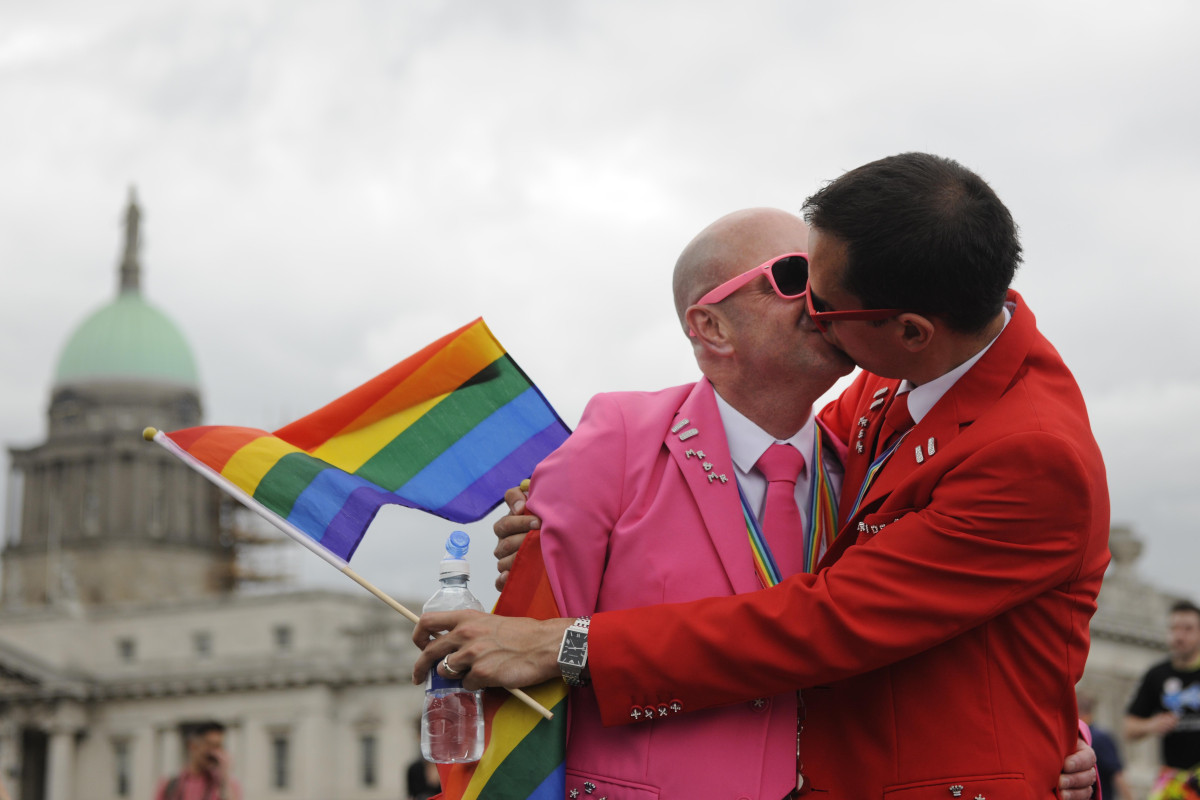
(747, 443)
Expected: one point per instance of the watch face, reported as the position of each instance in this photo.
(574, 649)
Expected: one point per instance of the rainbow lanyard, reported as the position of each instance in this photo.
(821, 527)
(872, 471)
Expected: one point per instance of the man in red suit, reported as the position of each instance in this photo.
(938, 647)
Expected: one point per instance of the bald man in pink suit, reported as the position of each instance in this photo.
(640, 506)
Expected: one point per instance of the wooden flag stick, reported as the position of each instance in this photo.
(303, 539)
(370, 587)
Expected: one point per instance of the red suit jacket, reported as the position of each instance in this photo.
(939, 645)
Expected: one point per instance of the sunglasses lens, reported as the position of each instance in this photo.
(791, 275)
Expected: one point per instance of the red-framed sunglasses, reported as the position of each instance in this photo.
(820, 318)
(787, 273)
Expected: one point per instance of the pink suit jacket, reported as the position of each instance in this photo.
(640, 506)
(939, 645)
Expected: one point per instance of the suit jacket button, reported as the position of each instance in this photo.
(649, 712)
(760, 703)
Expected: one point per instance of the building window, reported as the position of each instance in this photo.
(16, 502)
(91, 499)
(368, 752)
(154, 501)
(202, 641)
(123, 767)
(283, 638)
(280, 760)
(126, 649)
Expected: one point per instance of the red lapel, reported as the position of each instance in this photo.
(971, 395)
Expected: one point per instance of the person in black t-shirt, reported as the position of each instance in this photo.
(1167, 703)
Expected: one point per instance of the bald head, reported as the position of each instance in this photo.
(730, 246)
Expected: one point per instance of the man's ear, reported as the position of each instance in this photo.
(916, 331)
(709, 328)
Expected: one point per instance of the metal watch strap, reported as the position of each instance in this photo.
(572, 675)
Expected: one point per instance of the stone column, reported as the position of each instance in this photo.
(10, 744)
(317, 765)
(68, 720)
(144, 765)
(169, 749)
(60, 764)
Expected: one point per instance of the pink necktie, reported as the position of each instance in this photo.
(781, 523)
(896, 421)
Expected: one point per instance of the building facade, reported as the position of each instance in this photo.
(123, 620)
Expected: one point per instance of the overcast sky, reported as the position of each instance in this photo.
(327, 187)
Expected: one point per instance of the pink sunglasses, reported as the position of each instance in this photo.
(787, 273)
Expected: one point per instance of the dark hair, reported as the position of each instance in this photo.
(205, 728)
(922, 233)
(1185, 606)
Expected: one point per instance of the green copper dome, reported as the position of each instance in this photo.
(127, 339)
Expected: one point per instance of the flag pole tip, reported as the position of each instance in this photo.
(149, 434)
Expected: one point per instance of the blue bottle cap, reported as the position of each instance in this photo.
(457, 545)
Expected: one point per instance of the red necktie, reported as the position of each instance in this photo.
(781, 523)
(896, 421)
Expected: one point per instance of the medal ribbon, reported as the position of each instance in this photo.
(821, 528)
(872, 471)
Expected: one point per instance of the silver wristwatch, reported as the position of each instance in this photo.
(572, 653)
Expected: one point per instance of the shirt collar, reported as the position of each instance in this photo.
(747, 441)
(922, 399)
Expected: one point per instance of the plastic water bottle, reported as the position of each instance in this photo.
(452, 719)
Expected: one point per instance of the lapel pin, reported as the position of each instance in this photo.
(920, 455)
(707, 466)
(863, 422)
(689, 453)
(880, 392)
(956, 790)
(862, 432)
(683, 437)
(700, 454)
(678, 425)
(930, 445)
(858, 447)
(876, 403)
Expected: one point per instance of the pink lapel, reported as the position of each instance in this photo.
(696, 440)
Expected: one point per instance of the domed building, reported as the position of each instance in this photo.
(98, 516)
(122, 623)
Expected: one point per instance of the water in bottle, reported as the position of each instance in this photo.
(452, 720)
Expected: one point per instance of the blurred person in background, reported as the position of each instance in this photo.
(207, 774)
(1167, 703)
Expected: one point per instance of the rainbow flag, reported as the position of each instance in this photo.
(446, 430)
(525, 754)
